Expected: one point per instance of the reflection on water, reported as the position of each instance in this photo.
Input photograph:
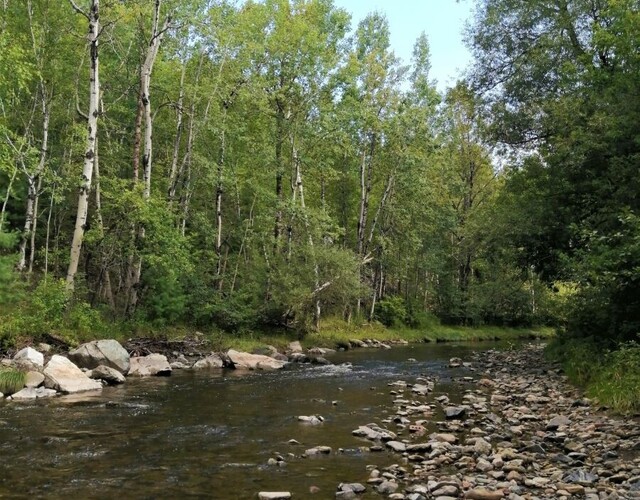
(210, 434)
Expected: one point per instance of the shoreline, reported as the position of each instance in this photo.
(521, 431)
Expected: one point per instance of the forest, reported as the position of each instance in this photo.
(268, 165)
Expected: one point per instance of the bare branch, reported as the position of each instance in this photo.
(78, 9)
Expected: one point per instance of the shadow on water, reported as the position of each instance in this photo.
(210, 434)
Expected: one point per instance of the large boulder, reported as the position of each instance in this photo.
(101, 352)
(31, 356)
(153, 364)
(62, 375)
(246, 361)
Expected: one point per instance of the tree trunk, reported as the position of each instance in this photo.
(173, 170)
(92, 131)
(219, 192)
(145, 97)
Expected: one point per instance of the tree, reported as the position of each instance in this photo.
(93, 18)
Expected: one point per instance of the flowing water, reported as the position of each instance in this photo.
(209, 434)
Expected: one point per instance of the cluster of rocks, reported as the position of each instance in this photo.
(520, 431)
(373, 343)
(102, 362)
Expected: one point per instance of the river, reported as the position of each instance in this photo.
(210, 434)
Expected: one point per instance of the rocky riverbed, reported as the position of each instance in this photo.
(521, 431)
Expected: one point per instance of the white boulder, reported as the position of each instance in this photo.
(62, 375)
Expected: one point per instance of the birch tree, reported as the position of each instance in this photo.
(93, 17)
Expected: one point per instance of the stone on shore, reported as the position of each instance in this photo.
(454, 412)
(108, 374)
(318, 450)
(396, 446)
(30, 356)
(374, 433)
(101, 352)
(483, 494)
(211, 361)
(274, 495)
(311, 419)
(30, 393)
(246, 361)
(63, 376)
(294, 346)
(151, 365)
(33, 379)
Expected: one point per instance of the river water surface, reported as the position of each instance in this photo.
(207, 434)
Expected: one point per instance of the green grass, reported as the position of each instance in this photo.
(11, 381)
(337, 332)
(608, 373)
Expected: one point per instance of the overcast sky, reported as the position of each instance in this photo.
(442, 21)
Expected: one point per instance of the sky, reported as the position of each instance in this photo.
(442, 21)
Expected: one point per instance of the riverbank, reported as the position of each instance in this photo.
(520, 431)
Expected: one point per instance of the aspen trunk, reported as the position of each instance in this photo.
(145, 97)
(34, 225)
(92, 130)
(219, 192)
(173, 170)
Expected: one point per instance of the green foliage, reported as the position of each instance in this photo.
(11, 380)
(50, 310)
(392, 311)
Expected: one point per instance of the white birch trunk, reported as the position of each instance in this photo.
(92, 130)
(145, 85)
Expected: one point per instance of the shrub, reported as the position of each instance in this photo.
(392, 311)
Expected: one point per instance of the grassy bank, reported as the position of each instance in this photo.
(609, 373)
(333, 333)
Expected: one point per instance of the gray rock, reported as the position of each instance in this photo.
(101, 352)
(454, 412)
(354, 487)
(484, 494)
(108, 374)
(246, 361)
(421, 389)
(318, 450)
(481, 446)
(1, 395)
(346, 495)
(557, 421)
(62, 375)
(387, 487)
(211, 361)
(321, 351)
(312, 419)
(34, 379)
(374, 433)
(444, 438)
(294, 346)
(447, 490)
(153, 364)
(30, 393)
(397, 446)
(455, 362)
(580, 476)
(30, 355)
(274, 495)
